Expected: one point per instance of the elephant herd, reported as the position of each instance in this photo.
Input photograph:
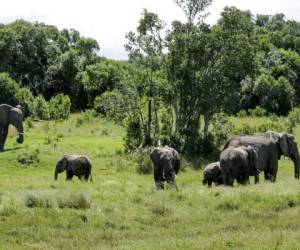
(243, 156)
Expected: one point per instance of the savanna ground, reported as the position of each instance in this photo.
(122, 210)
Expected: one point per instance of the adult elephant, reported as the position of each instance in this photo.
(10, 116)
(78, 165)
(239, 163)
(166, 163)
(270, 146)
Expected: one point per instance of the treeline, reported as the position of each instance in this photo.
(175, 83)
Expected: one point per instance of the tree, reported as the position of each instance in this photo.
(193, 8)
(276, 96)
(145, 49)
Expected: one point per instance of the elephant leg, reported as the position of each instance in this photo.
(256, 178)
(86, 176)
(170, 177)
(3, 136)
(69, 176)
(158, 177)
(209, 183)
(267, 175)
(273, 169)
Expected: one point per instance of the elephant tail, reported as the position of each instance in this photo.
(91, 178)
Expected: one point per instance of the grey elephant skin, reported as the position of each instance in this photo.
(270, 146)
(10, 116)
(166, 163)
(78, 165)
(239, 163)
(212, 174)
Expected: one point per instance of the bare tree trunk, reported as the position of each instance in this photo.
(157, 126)
(206, 125)
(148, 139)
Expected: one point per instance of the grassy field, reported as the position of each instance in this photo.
(122, 210)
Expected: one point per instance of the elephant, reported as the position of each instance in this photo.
(78, 165)
(212, 173)
(166, 163)
(239, 163)
(10, 116)
(270, 146)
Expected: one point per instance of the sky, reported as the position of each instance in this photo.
(108, 21)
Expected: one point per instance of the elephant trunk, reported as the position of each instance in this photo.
(20, 129)
(56, 174)
(296, 160)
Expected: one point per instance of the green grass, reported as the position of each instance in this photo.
(122, 210)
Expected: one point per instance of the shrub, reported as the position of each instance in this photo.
(37, 199)
(26, 100)
(60, 106)
(76, 200)
(112, 105)
(134, 133)
(85, 118)
(8, 90)
(276, 96)
(144, 163)
(41, 108)
(29, 122)
(246, 129)
(29, 157)
(294, 118)
(222, 129)
(46, 199)
(242, 113)
(257, 112)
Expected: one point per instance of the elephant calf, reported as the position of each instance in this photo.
(166, 163)
(78, 165)
(212, 173)
(239, 163)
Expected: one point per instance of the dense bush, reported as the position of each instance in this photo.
(8, 90)
(257, 112)
(144, 163)
(112, 105)
(222, 128)
(276, 96)
(60, 106)
(134, 133)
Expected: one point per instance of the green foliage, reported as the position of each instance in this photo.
(276, 96)
(60, 106)
(134, 133)
(112, 105)
(31, 156)
(144, 163)
(85, 118)
(257, 112)
(41, 108)
(8, 90)
(222, 128)
(242, 113)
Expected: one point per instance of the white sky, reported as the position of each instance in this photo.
(109, 20)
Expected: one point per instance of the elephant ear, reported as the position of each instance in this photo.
(64, 162)
(155, 156)
(284, 144)
(253, 157)
(177, 162)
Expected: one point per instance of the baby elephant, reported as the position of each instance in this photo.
(212, 173)
(239, 163)
(78, 165)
